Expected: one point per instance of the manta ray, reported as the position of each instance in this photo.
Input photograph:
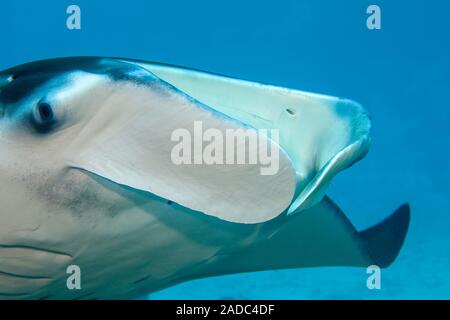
(87, 180)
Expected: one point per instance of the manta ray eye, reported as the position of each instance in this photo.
(45, 112)
(43, 116)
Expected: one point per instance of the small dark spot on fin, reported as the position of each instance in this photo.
(291, 111)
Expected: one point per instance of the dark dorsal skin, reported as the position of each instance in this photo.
(26, 78)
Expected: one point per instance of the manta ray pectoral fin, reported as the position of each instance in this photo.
(320, 236)
(384, 240)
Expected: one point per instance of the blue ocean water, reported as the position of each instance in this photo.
(400, 73)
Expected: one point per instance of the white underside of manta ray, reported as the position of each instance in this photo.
(86, 180)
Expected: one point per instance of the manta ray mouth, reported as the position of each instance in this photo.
(16, 285)
(30, 249)
(26, 269)
(8, 274)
